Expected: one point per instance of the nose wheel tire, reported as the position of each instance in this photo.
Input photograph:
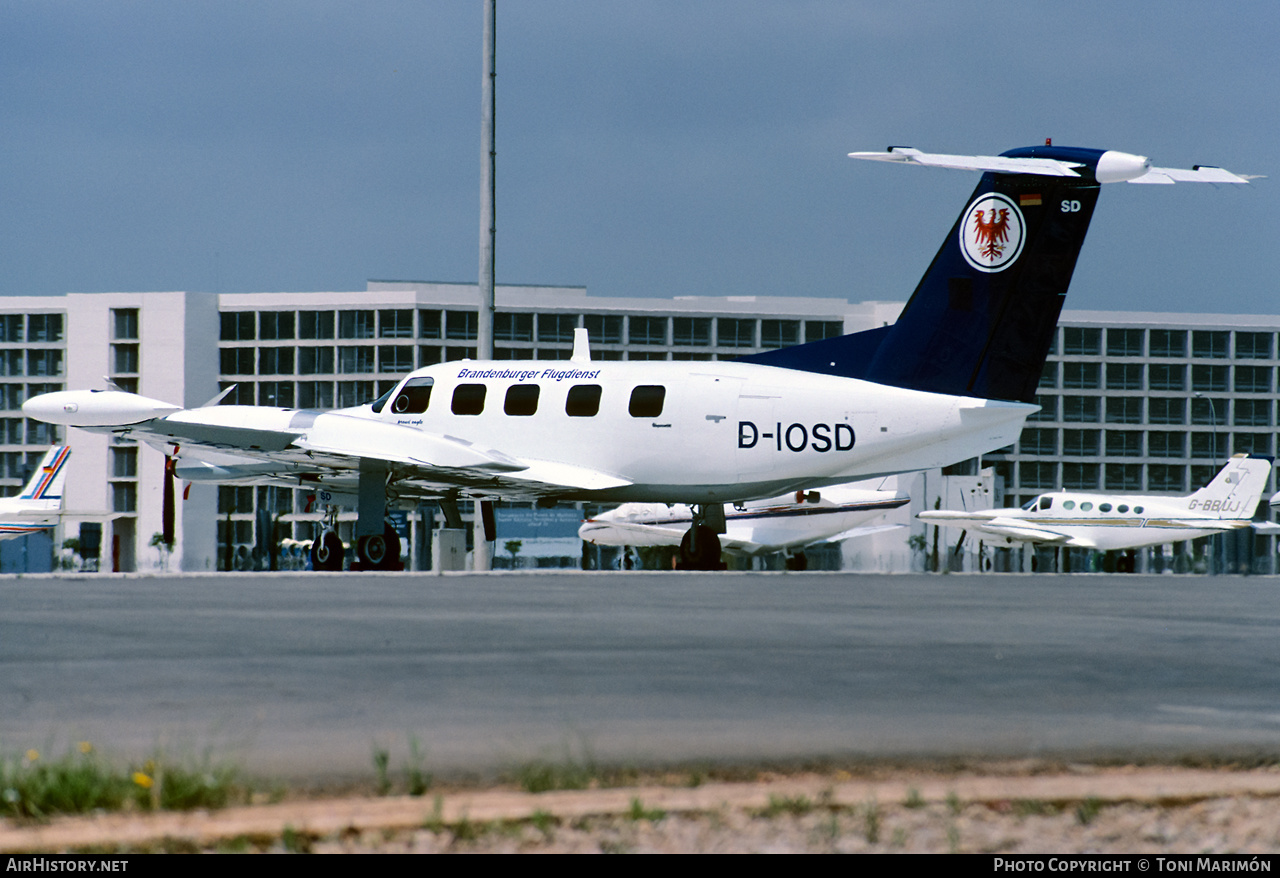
(327, 552)
(700, 551)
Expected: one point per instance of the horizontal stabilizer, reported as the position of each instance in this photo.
(1106, 166)
(1198, 174)
(999, 163)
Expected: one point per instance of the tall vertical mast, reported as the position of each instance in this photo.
(488, 154)
(484, 325)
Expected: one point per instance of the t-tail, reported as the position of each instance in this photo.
(45, 489)
(982, 319)
(1235, 491)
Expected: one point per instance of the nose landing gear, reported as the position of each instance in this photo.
(700, 546)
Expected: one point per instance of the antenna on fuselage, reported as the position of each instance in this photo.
(581, 346)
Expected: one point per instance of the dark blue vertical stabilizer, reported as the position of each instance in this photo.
(983, 317)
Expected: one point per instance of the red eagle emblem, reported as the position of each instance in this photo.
(993, 234)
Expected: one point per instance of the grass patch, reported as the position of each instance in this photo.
(871, 821)
(1034, 808)
(35, 787)
(466, 831)
(295, 842)
(541, 776)
(381, 770)
(1087, 810)
(638, 811)
(545, 823)
(794, 805)
(417, 780)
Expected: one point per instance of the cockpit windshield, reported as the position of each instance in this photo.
(414, 397)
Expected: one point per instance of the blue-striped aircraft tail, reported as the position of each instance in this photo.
(45, 488)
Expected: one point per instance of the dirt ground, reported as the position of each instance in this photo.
(1010, 808)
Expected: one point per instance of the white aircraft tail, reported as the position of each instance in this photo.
(44, 491)
(1235, 491)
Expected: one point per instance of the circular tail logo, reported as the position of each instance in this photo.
(992, 233)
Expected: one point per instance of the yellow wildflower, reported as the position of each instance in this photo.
(86, 747)
(143, 780)
(33, 755)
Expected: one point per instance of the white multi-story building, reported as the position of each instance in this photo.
(1146, 401)
(157, 344)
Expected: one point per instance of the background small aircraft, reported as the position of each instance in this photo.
(779, 524)
(40, 503)
(1125, 521)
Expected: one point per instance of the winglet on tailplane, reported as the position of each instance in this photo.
(982, 319)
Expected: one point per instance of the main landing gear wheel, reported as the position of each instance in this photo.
(379, 552)
(702, 553)
(798, 561)
(327, 551)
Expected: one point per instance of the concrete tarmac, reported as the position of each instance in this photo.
(303, 675)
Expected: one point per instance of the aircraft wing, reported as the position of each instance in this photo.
(620, 532)
(991, 521)
(262, 444)
(1020, 529)
(1222, 525)
(957, 517)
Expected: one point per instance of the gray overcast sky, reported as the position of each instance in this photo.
(644, 148)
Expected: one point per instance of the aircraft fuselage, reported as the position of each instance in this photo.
(608, 431)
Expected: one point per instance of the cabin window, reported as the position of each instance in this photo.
(522, 399)
(468, 399)
(415, 396)
(583, 401)
(1069, 504)
(1122, 509)
(646, 401)
(1085, 507)
(1104, 507)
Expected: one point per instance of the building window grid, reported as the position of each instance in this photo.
(1193, 347)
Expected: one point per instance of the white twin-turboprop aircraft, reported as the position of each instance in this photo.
(39, 505)
(778, 524)
(1109, 522)
(952, 378)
